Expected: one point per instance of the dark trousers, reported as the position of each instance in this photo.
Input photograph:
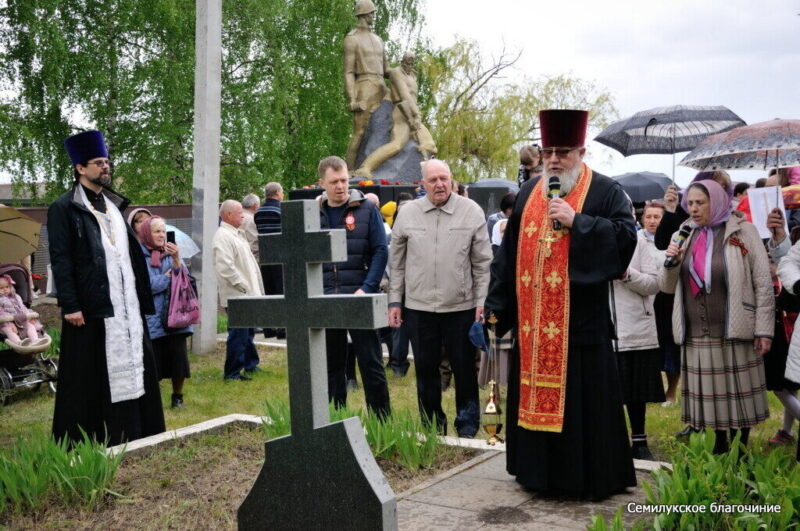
(350, 363)
(367, 350)
(398, 352)
(240, 352)
(430, 332)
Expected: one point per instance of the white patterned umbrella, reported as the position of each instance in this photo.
(771, 144)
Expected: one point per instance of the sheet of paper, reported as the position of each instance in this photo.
(762, 200)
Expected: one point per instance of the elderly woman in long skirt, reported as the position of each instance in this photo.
(722, 317)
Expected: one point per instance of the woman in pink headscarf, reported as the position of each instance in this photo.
(169, 344)
(722, 316)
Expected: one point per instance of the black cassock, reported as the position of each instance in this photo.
(83, 400)
(591, 457)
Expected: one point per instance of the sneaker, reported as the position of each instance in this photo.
(41, 341)
(177, 401)
(26, 342)
(668, 403)
(782, 437)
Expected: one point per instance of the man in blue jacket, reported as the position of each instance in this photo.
(367, 253)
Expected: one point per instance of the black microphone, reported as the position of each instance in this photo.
(554, 190)
(680, 239)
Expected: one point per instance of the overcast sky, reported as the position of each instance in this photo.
(741, 54)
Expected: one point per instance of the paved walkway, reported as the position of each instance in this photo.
(482, 495)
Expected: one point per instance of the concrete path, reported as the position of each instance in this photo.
(482, 495)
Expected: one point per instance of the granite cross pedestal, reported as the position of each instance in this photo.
(322, 475)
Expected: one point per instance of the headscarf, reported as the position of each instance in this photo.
(145, 234)
(703, 246)
(133, 213)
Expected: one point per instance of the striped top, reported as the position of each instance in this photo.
(268, 217)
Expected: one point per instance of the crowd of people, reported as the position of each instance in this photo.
(593, 300)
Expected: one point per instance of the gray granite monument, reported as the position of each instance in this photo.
(322, 475)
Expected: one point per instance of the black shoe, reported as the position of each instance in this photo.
(685, 432)
(239, 377)
(642, 452)
(177, 401)
(398, 373)
(281, 333)
(269, 332)
(254, 369)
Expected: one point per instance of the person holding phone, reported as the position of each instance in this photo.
(169, 344)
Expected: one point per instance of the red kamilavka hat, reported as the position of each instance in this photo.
(563, 127)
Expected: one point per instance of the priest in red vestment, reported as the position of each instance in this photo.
(550, 283)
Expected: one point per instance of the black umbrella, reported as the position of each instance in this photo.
(644, 185)
(668, 130)
(495, 183)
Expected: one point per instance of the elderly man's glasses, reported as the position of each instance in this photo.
(100, 162)
(559, 152)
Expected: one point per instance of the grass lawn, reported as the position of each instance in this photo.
(207, 395)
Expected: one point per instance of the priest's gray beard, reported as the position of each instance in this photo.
(568, 179)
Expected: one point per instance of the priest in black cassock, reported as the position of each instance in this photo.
(107, 381)
(566, 427)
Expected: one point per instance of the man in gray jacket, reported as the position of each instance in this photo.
(439, 262)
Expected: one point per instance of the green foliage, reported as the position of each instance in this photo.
(479, 122)
(401, 437)
(738, 477)
(127, 68)
(222, 323)
(36, 470)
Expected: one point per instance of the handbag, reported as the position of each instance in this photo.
(183, 308)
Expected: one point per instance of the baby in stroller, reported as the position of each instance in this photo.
(27, 364)
(20, 326)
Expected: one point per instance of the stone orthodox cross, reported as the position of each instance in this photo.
(322, 475)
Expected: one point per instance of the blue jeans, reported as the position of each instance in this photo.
(240, 352)
(398, 352)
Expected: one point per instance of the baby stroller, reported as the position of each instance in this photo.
(25, 366)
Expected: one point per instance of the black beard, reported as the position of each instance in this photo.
(102, 180)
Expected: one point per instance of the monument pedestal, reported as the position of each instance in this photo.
(405, 166)
(339, 469)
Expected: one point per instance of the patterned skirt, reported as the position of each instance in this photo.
(724, 386)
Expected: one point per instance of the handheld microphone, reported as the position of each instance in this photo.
(680, 239)
(554, 190)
